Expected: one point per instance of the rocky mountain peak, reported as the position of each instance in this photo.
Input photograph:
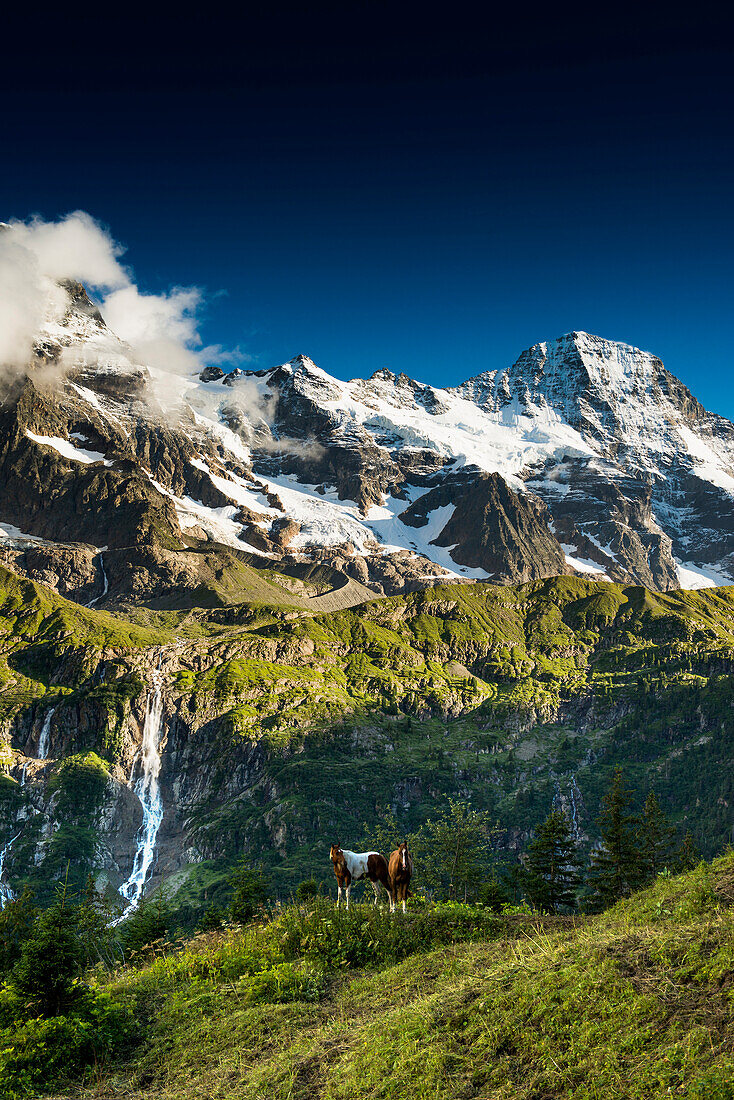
(585, 454)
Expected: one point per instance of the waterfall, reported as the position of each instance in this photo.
(23, 773)
(6, 894)
(43, 738)
(576, 801)
(148, 764)
(105, 584)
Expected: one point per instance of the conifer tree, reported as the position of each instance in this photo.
(616, 867)
(551, 873)
(687, 856)
(656, 837)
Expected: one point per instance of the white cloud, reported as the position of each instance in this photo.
(21, 300)
(75, 247)
(162, 329)
(140, 318)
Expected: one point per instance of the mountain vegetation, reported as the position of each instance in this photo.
(451, 1000)
(288, 730)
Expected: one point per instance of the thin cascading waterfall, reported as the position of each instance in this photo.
(6, 894)
(105, 584)
(148, 764)
(575, 804)
(44, 736)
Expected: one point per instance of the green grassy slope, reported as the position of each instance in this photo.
(455, 1003)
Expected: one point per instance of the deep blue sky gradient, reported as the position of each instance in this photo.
(375, 191)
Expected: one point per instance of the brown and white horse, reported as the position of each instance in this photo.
(350, 867)
(400, 871)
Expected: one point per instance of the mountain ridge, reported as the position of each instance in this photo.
(608, 460)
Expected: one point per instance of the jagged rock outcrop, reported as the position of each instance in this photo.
(495, 529)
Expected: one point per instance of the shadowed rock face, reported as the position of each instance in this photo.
(493, 528)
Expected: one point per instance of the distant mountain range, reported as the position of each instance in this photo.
(127, 482)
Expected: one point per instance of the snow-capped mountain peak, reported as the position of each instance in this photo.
(585, 454)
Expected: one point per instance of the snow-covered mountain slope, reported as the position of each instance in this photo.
(584, 455)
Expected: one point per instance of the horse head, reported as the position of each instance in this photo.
(336, 855)
(403, 849)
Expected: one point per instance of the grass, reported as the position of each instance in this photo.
(455, 1003)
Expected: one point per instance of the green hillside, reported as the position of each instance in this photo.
(450, 1002)
(514, 698)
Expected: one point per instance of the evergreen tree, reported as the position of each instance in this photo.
(249, 892)
(656, 837)
(147, 924)
(687, 856)
(47, 974)
(616, 867)
(494, 894)
(551, 873)
(17, 920)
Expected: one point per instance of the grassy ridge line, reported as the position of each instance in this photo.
(31, 613)
(635, 1003)
(452, 648)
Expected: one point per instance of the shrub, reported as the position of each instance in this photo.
(42, 1052)
(249, 893)
(307, 890)
(146, 925)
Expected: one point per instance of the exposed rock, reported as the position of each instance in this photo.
(495, 529)
(211, 374)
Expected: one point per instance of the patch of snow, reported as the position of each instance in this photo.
(14, 534)
(218, 523)
(708, 465)
(583, 565)
(235, 488)
(67, 449)
(697, 576)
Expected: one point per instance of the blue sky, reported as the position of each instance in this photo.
(430, 201)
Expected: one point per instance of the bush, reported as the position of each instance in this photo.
(307, 890)
(42, 1052)
(146, 925)
(367, 935)
(249, 893)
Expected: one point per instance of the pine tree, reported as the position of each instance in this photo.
(687, 856)
(47, 974)
(656, 837)
(249, 891)
(551, 874)
(616, 867)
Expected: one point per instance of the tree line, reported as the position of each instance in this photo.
(456, 858)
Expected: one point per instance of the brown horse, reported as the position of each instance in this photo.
(350, 867)
(400, 871)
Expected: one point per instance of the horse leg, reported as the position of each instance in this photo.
(339, 896)
(376, 888)
(349, 890)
